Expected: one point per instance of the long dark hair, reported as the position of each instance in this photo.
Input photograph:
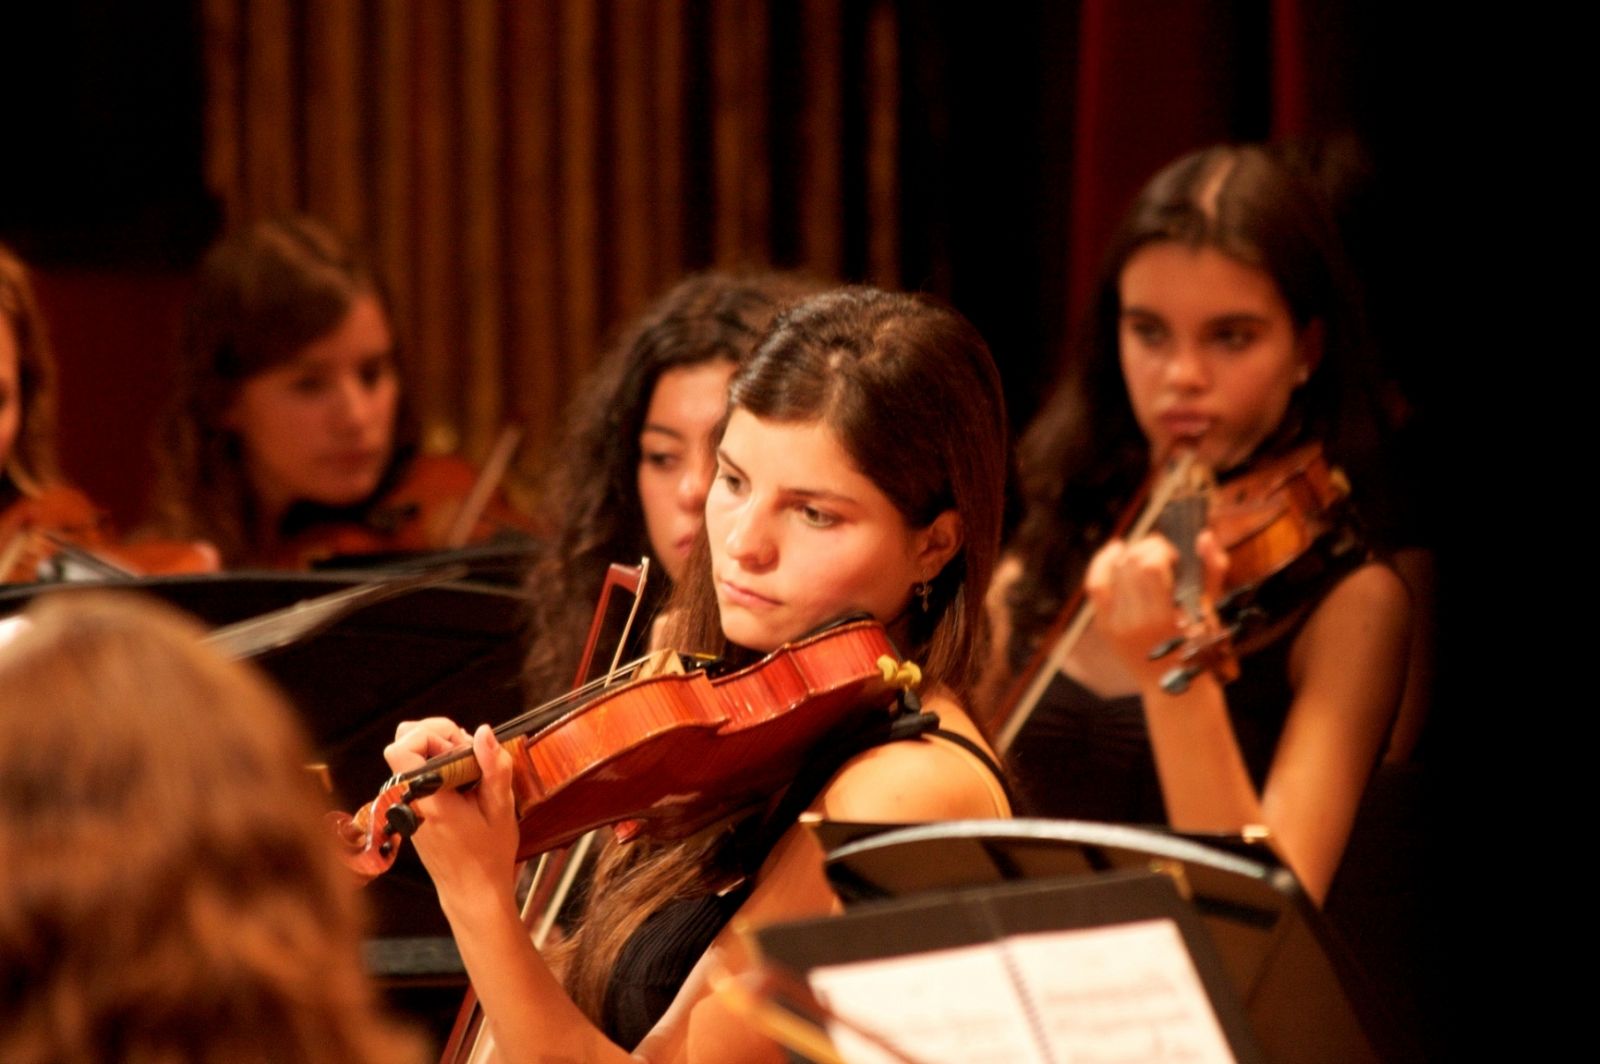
(1083, 458)
(262, 295)
(591, 495)
(31, 465)
(910, 390)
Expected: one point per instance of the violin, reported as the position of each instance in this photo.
(1285, 524)
(61, 522)
(663, 756)
(439, 503)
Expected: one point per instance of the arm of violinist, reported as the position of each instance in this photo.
(1346, 670)
(468, 843)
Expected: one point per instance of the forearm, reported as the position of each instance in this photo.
(1203, 776)
(529, 1014)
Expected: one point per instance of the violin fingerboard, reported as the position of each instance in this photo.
(1181, 521)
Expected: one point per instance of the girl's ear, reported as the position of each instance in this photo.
(938, 543)
(1308, 350)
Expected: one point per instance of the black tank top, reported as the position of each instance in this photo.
(656, 961)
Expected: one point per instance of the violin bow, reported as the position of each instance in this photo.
(1059, 644)
(278, 628)
(489, 477)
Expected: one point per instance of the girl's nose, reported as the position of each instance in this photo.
(1187, 370)
(749, 541)
(695, 484)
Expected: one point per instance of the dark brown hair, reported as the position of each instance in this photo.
(910, 389)
(591, 494)
(262, 295)
(170, 891)
(31, 465)
(1083, 458)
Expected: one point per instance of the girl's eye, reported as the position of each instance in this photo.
(312, 384)
(374, 372)
(1234, 338)
(665, 461)
(731, 482)
(1148, 332)
(816, 518)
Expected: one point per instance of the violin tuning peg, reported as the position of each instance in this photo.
(402, 820)
(1161, 650)
(1176, 681)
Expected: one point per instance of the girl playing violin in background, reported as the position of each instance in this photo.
(290, 438)
(33, 501)
(860, 468)
(1224, 326)
(170, 891)
(637, 459)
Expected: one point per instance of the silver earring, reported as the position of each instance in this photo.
(924, 591)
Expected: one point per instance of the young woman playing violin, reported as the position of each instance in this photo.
(637, 460)
(860, 469)
(1223, 328)
(290, 439)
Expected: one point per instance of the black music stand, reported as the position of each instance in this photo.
(1305, 999)
(1116, 966)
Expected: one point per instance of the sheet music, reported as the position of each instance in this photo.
(944, 1005)
(1119, 994)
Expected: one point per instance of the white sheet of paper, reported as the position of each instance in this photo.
(943, 1005)
(1121, 994)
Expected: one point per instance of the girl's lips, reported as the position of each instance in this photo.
(740, 596)
(1186, 425)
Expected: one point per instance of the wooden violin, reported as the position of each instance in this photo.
(664, 756)
(61, 522)
(1283, 521)
(438, 504)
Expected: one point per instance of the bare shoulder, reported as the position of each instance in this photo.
(917, 779)
(1373, 600)
(1359, 633)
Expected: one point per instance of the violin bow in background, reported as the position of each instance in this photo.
(1073, 621)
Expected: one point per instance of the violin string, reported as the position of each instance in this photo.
(528, 721)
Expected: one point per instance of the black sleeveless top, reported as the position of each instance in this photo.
(1082, 757)
(656, 961)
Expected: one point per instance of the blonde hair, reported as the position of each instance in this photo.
(170, 892)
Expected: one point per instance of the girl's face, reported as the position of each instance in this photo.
(1210, 353)
(799, 536)
(320, 427)
(676, 462)
(10, 389)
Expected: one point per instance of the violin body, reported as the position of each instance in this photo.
(420, 513)
(32, 526)
(666, 755)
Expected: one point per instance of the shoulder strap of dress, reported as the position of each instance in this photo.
(984, 759)
(758, 837)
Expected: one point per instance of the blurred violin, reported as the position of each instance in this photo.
(439, 503)
(1285, 524)
(61, 524)
(662, 755)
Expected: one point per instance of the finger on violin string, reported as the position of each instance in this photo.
(494, 762)
(1215, 558)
